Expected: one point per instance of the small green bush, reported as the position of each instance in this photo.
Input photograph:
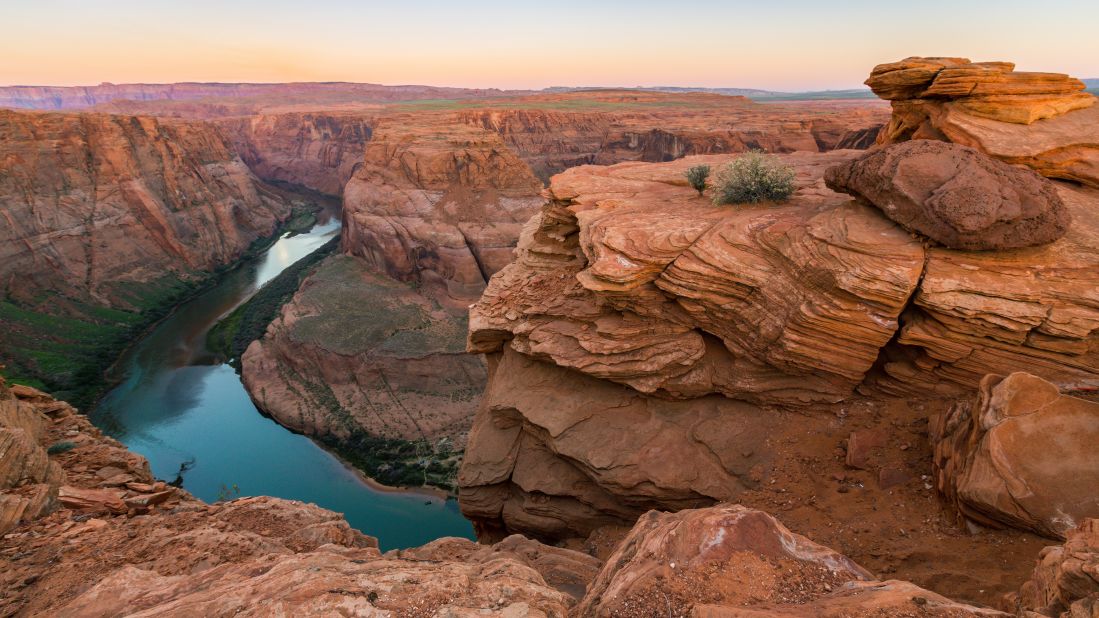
(60, 447)
(753, 178)
(697, 176)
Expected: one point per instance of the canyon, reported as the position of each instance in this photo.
(875, 398)
(106, 219)
(435, 207)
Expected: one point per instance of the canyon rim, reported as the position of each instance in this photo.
(273, 343)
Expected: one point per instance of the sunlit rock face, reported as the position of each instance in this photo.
(642, 334)
(93, 202)
(1042, 120)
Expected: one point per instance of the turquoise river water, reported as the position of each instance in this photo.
(179, 406)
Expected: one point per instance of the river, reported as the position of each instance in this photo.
(177, 404)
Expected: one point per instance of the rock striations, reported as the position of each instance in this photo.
(94, 202)
(641, 334)
(1042, 120)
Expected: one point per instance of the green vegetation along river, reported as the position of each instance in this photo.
(181, 407)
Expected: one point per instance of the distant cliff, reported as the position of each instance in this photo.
(103, 217)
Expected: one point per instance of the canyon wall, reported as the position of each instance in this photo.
(104, 218)
(94, 202)
(316, 150)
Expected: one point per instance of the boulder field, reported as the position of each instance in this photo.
(164, 553)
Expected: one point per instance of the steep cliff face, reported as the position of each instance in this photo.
(317, 150)
(102, 213)
(92, 202)
(439, 204)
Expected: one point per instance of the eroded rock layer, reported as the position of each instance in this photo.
(634, 303)
(1041, 120)
(93, 202)
(440, 206)
(317, 150)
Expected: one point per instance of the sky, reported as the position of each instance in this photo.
(768, 44)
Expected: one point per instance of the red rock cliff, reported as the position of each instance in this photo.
(93, 202)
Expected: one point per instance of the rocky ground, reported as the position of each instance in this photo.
(87, 532)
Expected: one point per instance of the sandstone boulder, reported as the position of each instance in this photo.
(1022, 455)
(956, 196)
(908, 78)
(730, 561)
(1065, 582)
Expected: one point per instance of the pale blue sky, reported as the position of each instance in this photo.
(773, 44)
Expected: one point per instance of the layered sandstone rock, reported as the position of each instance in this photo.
(956, 196)
(440, 206)
(1041, 120)
(317, 150)
(94, 204)
(1065, 582)
(977, 313)
(1022, 455)
(628, 277)
(638, 341)
(987, 89)
(730, 561)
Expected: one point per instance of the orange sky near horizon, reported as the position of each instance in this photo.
(776, 45)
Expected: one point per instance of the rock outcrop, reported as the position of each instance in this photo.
(730, 561)
(1021, 455)
(1065, 582)
(94, 203)
(1041, 120)
(646, 350)
(439, 206)
(956, 196)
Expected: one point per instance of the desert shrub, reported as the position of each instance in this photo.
(60, 447)
(697, 176)
(752, 178)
